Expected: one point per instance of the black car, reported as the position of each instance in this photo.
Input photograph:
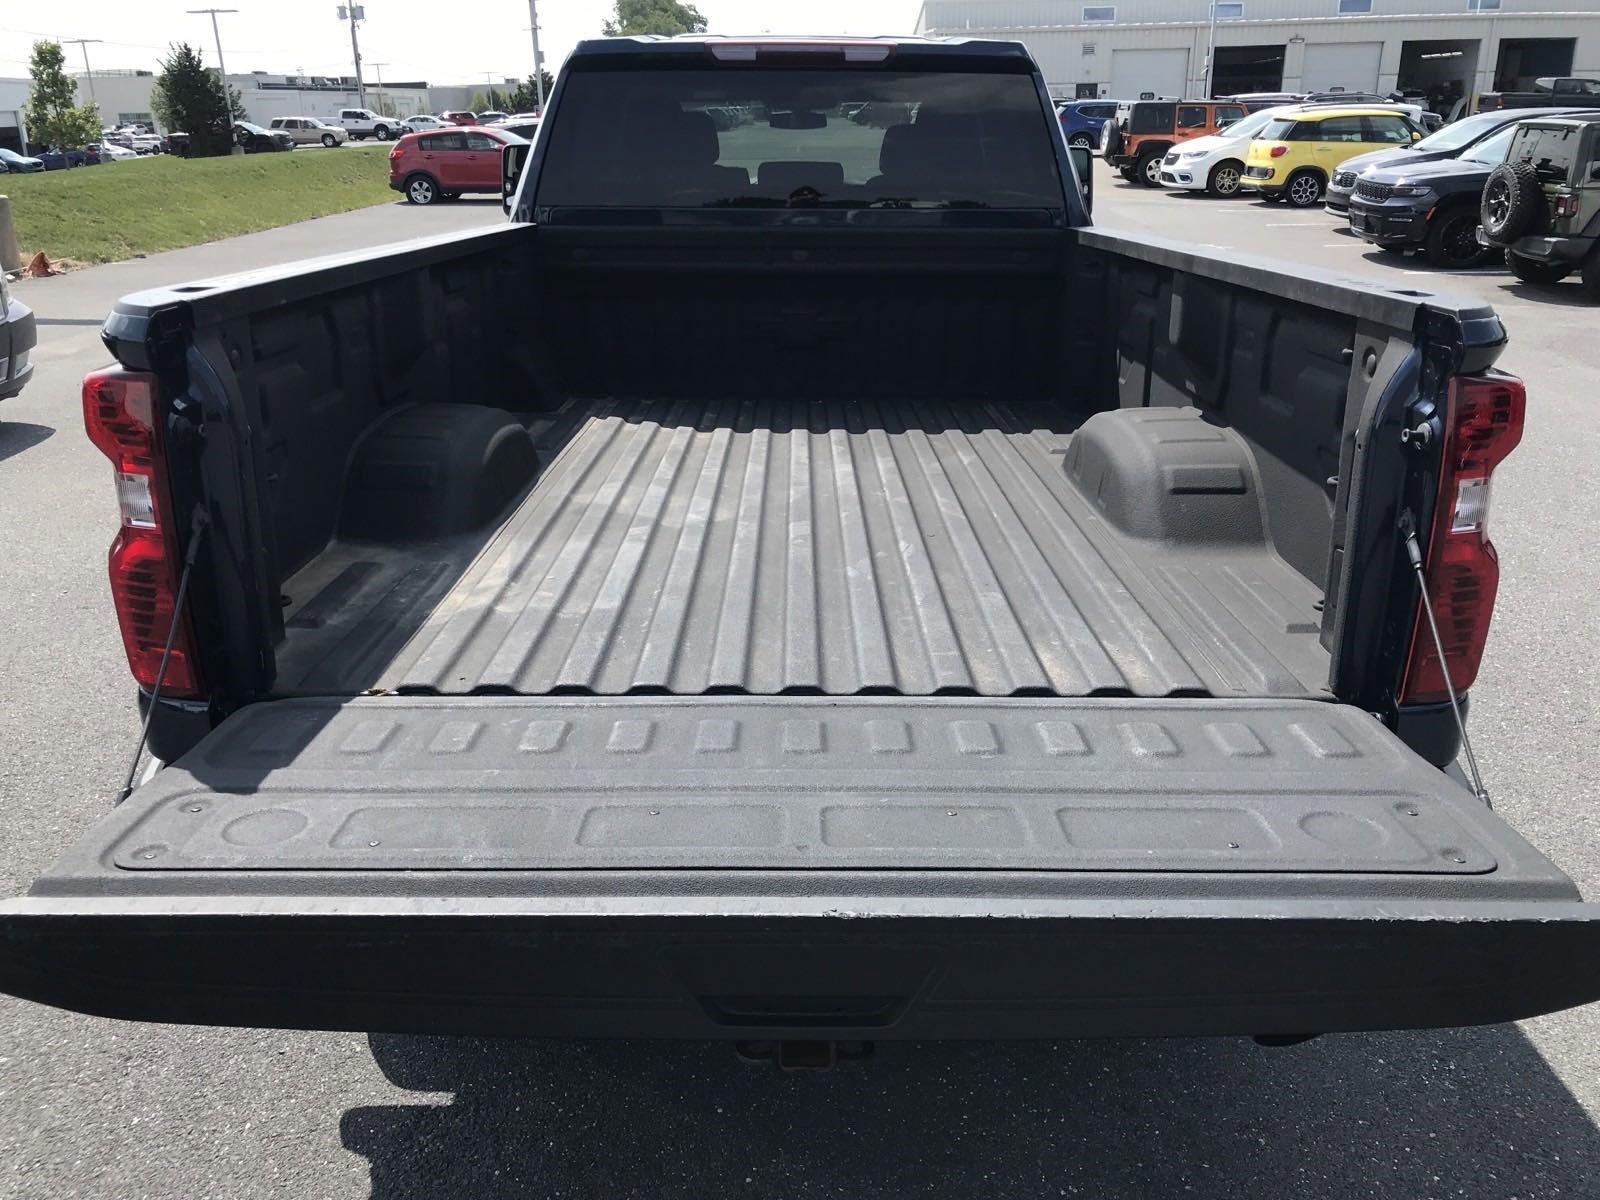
(1452, 141)
(1429, 206)
(257, 140)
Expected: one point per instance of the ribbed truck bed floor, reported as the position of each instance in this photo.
(836, 548)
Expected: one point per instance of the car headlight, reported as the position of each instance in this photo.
(1408, 189)
(5, 295)
(1192, 154)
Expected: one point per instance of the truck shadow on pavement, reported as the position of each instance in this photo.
(17, 436)
(1469, 1112)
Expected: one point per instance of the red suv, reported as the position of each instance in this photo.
(442, 165)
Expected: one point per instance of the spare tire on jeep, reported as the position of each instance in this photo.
(1513, 203)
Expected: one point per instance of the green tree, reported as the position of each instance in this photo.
(654, 16)
(53, 114)
(525, 97)
(186, 98)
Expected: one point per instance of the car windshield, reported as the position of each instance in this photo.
(1493, 149)
(1461, 133)
(1250, 126)
(814, 138)
(1276, 129)
(248, 127)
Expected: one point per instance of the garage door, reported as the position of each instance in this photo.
(1163, 72)
(1346, 66)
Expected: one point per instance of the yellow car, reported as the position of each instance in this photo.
(1293, 156)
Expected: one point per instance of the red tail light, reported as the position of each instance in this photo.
(1566, 206)
(1483, 424)
(1278, 151)
(119, 412)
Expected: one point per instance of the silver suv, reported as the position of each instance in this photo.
(307, 131)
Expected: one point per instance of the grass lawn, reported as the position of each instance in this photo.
(118, 210)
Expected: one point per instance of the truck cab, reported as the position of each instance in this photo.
(1139, 136)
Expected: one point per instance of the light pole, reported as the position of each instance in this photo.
(538, 59)
(88, 75)
(1211, 50)
(355, 13)
(222, 71)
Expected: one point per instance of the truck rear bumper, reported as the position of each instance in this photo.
(893, 966)
(803, 867)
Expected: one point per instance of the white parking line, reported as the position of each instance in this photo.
(1292, 224)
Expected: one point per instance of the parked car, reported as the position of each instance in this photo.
(523, 127)
(109, 152)
(422, 123)
(429, 167)
(1081, 120)
(1548, 92)
(19, 164)
(57, 159)
(492, 117)
(1294, 156)
(308, 131)
(1452, 140)
(1100, 697)
(18, 336)
(91, 154)
(257, 140)
(362, 123)
(145, 143)
(1430, 205)
(1542, 205)
(1216, 163)
(1137, 138)
(459, 117)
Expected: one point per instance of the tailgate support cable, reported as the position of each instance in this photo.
(1414, 553)
(197, 531)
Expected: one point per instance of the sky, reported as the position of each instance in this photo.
(478, 38)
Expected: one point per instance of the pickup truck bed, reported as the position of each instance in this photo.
(917, 548)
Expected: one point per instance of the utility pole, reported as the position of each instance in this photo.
(378, 67)
(355, 14)
(222, 71)
(538, 59)
(88, 75)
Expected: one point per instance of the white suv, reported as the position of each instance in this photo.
(362, 123)
(1215, 163)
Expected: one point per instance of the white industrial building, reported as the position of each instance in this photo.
(124, 96)
(1442, 49)
(13, 99)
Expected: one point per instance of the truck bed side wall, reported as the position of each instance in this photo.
(303, 362)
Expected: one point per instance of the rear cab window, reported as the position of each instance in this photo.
(781, 137)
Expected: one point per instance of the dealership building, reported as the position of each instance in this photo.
(1439, 49)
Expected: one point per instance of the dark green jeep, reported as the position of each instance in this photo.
(1542, 205)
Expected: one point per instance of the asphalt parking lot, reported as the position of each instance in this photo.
(99, 1108)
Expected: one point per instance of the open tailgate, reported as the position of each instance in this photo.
(803, 867)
